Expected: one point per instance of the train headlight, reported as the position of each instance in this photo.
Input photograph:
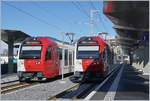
(37, 62)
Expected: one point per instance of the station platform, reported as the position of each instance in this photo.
(126, 84)
(133, 85)
(9, 77)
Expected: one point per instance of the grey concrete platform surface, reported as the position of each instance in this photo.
(133, 85)
(40, 91)
(100, 92)
(9, 77)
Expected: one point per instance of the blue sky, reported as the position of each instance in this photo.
(51, 18)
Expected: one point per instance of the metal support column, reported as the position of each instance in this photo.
(122, 54)
(10, 55)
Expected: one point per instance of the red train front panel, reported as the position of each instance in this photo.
(37, 59)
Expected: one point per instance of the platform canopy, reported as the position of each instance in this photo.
(11, 37)
(14, 35)
(131, 21)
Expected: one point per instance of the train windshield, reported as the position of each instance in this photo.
(88, 52)
(30, 52)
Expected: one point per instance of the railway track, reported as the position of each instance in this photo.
(13, 87)
(9, 82)
(10, 86)
(75, 92)
(79, 91)
(82, 91)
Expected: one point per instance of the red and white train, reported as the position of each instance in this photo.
(40, 58)
(93, 57)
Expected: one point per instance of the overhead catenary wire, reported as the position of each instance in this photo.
(87, 14)
(79, 7)
(100, 17)
(91, 3)
(29, 14)
(48, 11)
(105, 28)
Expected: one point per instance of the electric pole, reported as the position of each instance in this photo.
(70, 36)
(92, 20)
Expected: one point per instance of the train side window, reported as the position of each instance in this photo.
(73, 58)
(70, 58)
(48, 53)
(66, 57)
(59, 51)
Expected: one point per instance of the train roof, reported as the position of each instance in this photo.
(59, 43)
(59, 40)
(96, 37)
(54, 39)
(62, 44)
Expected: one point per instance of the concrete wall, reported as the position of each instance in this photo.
(141, 59)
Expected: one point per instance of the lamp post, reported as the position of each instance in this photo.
(63, 50)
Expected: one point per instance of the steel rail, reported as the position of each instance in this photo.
(63, 92)
(83, 92)
(14, 87)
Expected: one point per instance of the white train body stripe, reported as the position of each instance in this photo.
(78, 65)
(31, 48)
(88, 48)
(20, 65)
(78, 62)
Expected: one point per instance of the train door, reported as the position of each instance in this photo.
(59, 52)
(49, 64)
(105, 60)
(66, 61)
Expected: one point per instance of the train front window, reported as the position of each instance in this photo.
(88, 52)
(30, 52)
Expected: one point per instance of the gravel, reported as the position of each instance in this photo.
(39, 92)
(9, 77)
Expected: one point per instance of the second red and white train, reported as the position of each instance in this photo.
(93, 57)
